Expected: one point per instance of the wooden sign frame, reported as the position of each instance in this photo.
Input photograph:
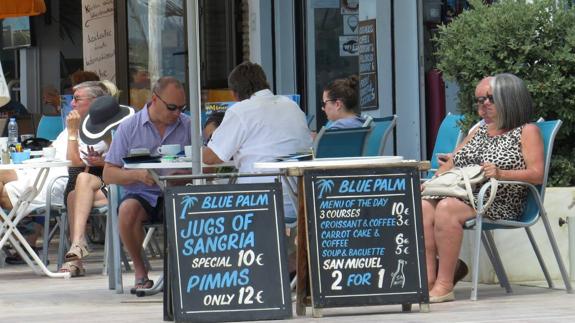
(254, 266)
(364, 227)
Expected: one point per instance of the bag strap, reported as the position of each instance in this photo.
(493, 191)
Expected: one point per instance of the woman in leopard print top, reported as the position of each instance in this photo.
(509, 148)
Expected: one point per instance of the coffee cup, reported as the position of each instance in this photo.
(49, 153)
(188, 151)
(169, 150)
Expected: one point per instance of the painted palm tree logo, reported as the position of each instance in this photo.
(325, 186)
(187, 202)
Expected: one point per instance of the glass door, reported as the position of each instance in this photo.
(332, 51)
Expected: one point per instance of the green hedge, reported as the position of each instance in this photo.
(533, 41)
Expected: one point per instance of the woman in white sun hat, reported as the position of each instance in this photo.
(105, 114)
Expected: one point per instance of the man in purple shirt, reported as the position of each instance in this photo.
(160, 122)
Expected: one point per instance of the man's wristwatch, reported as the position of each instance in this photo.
(72, 138)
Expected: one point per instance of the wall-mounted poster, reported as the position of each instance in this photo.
(367, 48)
(98, 38)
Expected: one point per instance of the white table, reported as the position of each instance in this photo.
(8, 222)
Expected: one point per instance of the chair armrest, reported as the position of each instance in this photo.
(532, 189)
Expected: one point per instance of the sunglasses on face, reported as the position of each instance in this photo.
(171, 106)
(482, 99)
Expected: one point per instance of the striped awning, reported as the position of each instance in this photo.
(19, 8)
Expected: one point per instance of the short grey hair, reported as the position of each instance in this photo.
(512, 101)
(93, 88)
(163, 82)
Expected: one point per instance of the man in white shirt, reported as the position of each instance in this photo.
(260, 128)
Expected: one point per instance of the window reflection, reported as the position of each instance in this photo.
(156, 45)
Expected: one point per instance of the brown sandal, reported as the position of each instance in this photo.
(77, 251)
(75, 269)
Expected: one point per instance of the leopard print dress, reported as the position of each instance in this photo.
(505, 152)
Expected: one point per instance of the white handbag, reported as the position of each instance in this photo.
(459, 182)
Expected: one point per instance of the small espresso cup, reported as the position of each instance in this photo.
(188, 151)
(49, 152)
(169, 150)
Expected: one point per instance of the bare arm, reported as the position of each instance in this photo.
(73, 150)
(533, 153)
(113, 174)
(448, 164)
(209, 157)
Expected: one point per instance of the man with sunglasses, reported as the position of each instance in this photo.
(160, 122)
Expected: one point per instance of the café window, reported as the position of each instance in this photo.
(156, 45)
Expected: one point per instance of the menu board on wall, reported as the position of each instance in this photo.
(98, 38)
(368, 99)
(227, 252)
(365, 237)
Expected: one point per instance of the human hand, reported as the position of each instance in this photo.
(145, 177)
(490, 170)
(73, 122)
(444, 158)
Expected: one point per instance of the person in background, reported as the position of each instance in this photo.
(140, 88)
(509, 148)
(68, 146)
(340, 103)
(160, 122)
(105, 114)
(213, 122)
(51, 100)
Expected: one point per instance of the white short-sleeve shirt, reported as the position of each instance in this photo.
(260, 129)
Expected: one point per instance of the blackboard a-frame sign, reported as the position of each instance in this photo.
(365, 237)
(227, 253)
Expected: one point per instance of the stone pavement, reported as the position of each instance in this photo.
(26, 297)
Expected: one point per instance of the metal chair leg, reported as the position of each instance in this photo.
(539, 257)
(500, 270)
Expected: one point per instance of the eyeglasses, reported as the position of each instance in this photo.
(171, 106)
(323, 103)
(80, 98)
(482, 99)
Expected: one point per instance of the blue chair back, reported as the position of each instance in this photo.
(380, 130)
(348, 142)
(49, 127)
(448, 136)
(548, 130)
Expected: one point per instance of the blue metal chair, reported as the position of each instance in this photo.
(448, 137)
(533, 211)
(380, 130)
(331, 143)
(49, 127)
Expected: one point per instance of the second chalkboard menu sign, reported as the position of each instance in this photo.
(227, 252)
(365, 237)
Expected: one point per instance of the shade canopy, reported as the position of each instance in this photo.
(19, 8)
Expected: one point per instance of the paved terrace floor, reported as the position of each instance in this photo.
(26, 297)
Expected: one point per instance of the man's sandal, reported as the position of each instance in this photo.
(77, 251)
(75, 269)
(142, 283)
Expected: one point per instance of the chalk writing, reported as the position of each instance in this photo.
(228, 252)
(360, 224)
